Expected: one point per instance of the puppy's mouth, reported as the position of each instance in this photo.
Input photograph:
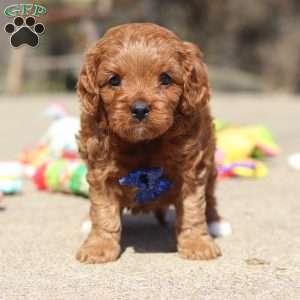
(138, 132)
(135, 131)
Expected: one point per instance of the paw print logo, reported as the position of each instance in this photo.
(24, 33)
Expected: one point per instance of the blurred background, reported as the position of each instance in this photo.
(249, 45)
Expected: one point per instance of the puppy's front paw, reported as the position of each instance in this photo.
(98, 251)
(203, 248)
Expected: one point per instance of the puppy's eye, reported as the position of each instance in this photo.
(115, 80)
(165, 79)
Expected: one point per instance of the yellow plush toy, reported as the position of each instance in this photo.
(239, 150)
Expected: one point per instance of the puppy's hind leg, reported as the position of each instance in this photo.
(217, 226)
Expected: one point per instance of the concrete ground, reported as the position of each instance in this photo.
(39, 232)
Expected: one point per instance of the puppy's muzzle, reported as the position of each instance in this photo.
(139, 110)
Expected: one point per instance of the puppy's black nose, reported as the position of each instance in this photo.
(139, 110)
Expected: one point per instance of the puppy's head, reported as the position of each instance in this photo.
(138, 78)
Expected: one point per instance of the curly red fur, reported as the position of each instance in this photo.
(177, 135)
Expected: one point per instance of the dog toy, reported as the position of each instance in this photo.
(60, 137)
(294, 161)
(247, 168)
(63, 175)
(240, 148)
(57, 143)
(55, 111)
(11, 177)
(149, 182)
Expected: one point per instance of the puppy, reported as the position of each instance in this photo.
(144, 98)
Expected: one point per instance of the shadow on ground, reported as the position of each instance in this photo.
(146, 235)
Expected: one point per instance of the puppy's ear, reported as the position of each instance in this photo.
(196, 89)
(87, 88)
(92, 116)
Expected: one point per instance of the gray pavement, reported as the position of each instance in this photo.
(39, 232)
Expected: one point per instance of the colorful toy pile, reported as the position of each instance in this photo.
(240, 150)
(62, 175)
(58, 142)
(55, 166)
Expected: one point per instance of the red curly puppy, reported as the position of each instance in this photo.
(145, 103)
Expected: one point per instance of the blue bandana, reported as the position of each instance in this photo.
(149, 182)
